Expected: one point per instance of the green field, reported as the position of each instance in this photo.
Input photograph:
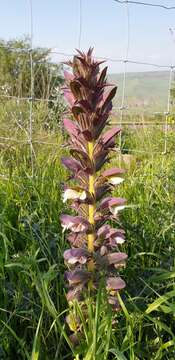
(145, 91)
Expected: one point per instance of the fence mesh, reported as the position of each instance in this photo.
(34, 102)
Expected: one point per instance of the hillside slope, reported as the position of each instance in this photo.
(145, 90)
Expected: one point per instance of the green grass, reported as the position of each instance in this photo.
(32, 296)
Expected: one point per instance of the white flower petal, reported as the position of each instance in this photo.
(72, 261)
(115, 180)
(73, 226)
(67, 226)
(115, 209)
(83, 195)
(64, 227)
(73, 194)
(119, 240)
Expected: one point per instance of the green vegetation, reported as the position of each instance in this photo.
(16, 80)
(145, 91)
(33, 305)
(32, 300)
(15, 70)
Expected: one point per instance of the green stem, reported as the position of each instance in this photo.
(91, 237)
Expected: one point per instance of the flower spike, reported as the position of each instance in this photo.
(95, 246)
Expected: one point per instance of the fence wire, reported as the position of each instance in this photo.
(31, 88)
(162, 6)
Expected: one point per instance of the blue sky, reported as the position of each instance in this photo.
(104, 26)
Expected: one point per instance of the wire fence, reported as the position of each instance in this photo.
(119, 112)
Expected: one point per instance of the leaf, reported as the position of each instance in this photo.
(164, 346)
(119, 354)
(167, 309)
(123, 307)
(14, 264)
(160, 324)
(162, 299)
(19, 340)
(166, 275)
(36, 343)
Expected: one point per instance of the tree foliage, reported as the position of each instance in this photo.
(15, 70)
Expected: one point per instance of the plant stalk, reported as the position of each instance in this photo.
(91, 236)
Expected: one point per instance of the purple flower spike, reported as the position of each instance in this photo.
(95, 245)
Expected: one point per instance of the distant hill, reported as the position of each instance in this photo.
(147, 91)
